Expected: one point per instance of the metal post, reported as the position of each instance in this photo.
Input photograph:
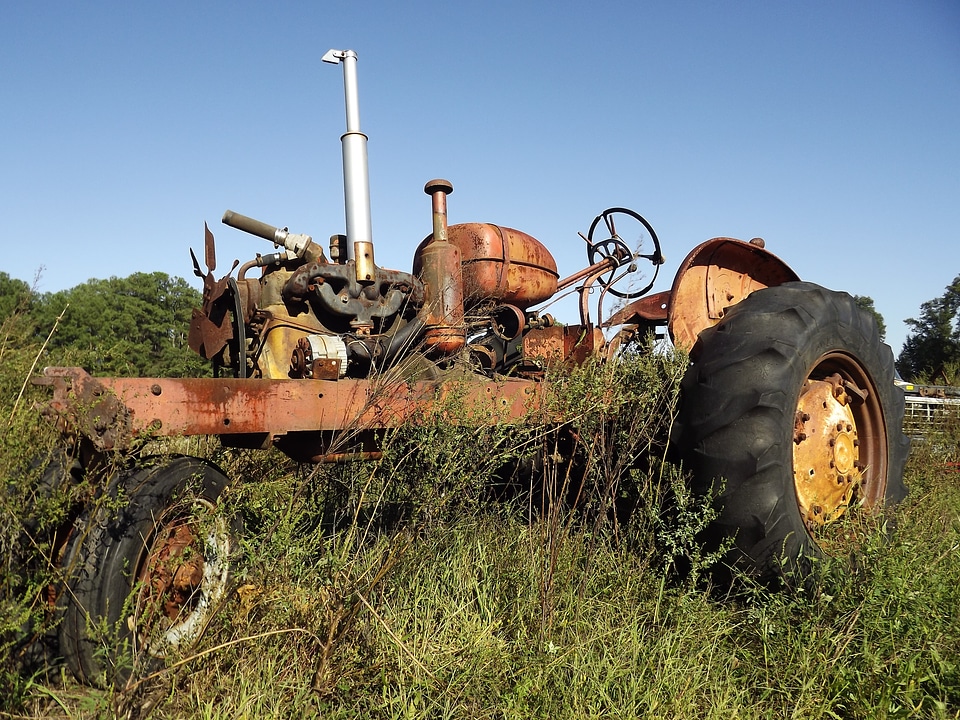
(356, 181)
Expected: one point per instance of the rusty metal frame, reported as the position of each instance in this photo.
(113, 413)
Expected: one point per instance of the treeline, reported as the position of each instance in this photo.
(132, 326)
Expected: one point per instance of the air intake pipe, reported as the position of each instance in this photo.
(356, 180)
(442, 277)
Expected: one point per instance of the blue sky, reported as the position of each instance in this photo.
(831, 129)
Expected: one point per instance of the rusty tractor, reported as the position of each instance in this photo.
(788, 412)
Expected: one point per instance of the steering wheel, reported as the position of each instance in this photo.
(622, 225)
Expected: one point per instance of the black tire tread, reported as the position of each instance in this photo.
(100, 563)
(734, 427)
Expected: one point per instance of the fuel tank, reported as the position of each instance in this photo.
(499, 264)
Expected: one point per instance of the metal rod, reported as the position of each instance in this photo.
(606, 264)
(356, 180)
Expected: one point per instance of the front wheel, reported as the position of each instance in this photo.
(144, 579)
(790, 417)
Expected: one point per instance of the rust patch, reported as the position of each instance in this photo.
(569, 343)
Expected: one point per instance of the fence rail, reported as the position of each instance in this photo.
(924, 416)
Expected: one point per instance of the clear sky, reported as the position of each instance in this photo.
(831, 129)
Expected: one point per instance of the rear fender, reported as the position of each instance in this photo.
(715, 276)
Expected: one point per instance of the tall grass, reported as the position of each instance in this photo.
(29, 511)
(441, 581)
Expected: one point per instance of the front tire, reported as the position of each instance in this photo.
(789, 417)
(144, 581)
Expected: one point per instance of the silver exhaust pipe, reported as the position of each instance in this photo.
(356, 180)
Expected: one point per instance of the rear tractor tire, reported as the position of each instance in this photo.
(144, 580)
(789, 418)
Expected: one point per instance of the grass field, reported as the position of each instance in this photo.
(417, 587)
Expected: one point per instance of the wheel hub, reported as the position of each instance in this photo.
(826, 450)
(183, 577)
(174, 571)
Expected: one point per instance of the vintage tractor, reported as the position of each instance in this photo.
(789, 412)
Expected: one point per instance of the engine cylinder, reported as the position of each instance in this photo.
(442, 281)
(443, 297)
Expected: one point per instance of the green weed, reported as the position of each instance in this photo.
(478, 570)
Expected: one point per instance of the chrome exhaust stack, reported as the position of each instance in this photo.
(356, 180)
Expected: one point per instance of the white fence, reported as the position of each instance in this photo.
(924, 416)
